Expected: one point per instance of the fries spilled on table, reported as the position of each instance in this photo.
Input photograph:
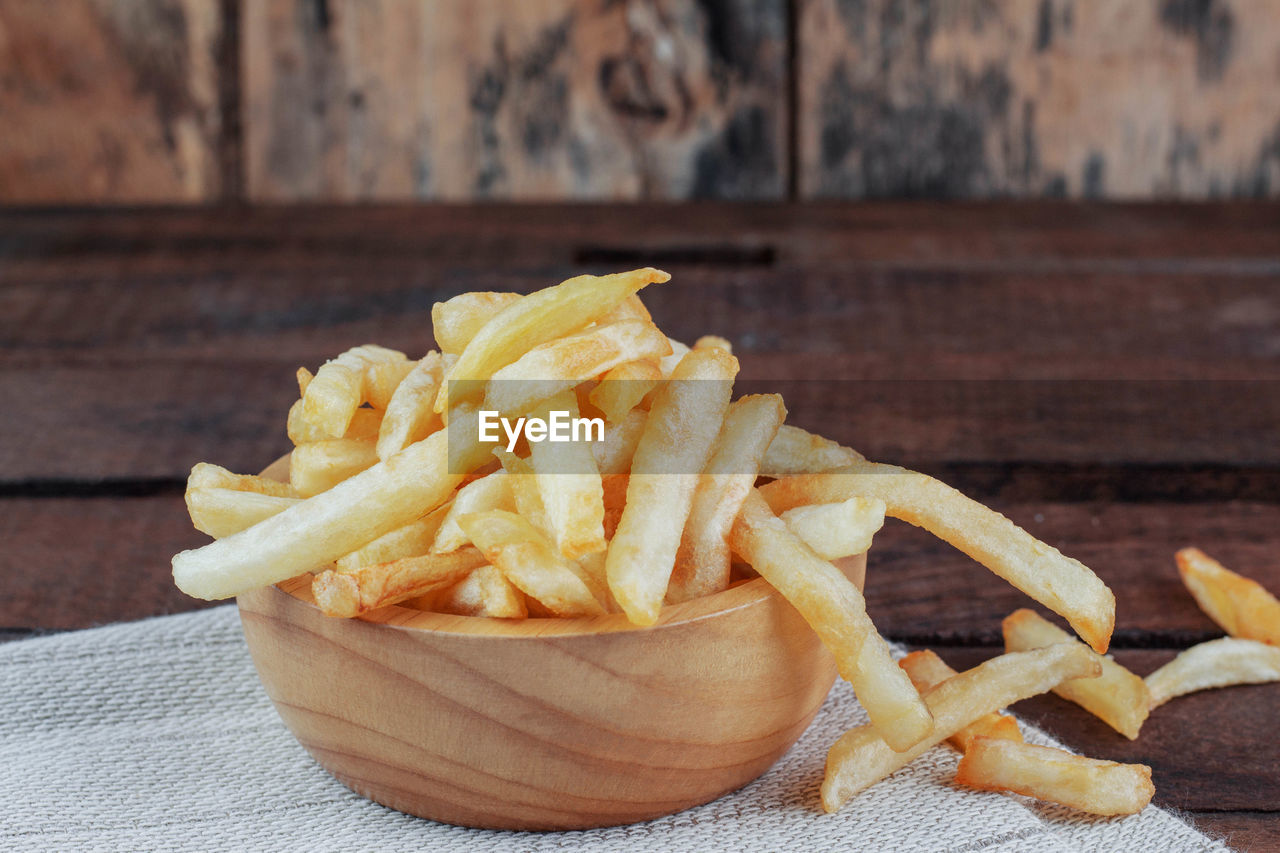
(439, 483)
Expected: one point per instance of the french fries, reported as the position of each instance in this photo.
(861, 756)
(621, 438)
(836, 610)
(1218, 663)
(678, 438)
(1056, 776)
(456, 321)
(492, 491)
(1065, 586)
(364, 426)
(485, 592)
(222, 512)
(410, 415)
(320, 465)
(621, 389)
(796, 451)
(927, 670)
(529, 561)
(536, 319)
(703, 561)
(837, 530)
(206, 476)
(412, 540)
(367, 588)
(1118, 697)
(1241, 606)
(341, 385)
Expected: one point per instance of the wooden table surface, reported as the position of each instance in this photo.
(1104, 375)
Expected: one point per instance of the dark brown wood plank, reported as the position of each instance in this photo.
(920, 587)
(1040, 97)
(110, 102)
(467, 100)
(1211, 750)
(1246, 831)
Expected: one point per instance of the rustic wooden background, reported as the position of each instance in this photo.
(170, 101)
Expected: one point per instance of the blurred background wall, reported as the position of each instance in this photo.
(206, 101)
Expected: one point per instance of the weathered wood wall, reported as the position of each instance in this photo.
(289, 100)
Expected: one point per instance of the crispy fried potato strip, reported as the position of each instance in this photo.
(367, 588)
(320, 465)
(364, 426)
(569, 486)
(860, 758)
(621, 389)
(206, 476)
(456, 321)
(1218, 663)
(1056, 776)
(411, 540)
(795, 451)
(1243, 607)
(926, 670)
(1118, 698)
(410, 415)
(492, 491)
(678, 440)
(1065, 586)
(341, 385)
(223, 512)
(485, 592)
(837, 612)
(837, 530)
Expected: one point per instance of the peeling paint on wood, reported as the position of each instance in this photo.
(543, 99)
(1079, 98)
(105, 101)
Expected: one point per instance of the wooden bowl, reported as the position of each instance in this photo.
(542, 724)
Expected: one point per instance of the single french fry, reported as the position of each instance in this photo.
(485, 592)
(678, 439)
(410, 540)
(621, 389)
(315, 532)
(1118, 698)
(456, 321)
(340, 386)
(621, 438)
(837, 612)
(220, 512)
(492, 491)
(364, 426)
(367, 588)
(528, 560)
(1243, 607)
(837, 530)
(535, 319)
(320, 465)
(1065, 586)
(1225, 662)
(206, 476)
(569, 485)
(860, 758)
(796, 451)
(702, 563)
(1056, 776)
(560, 364)
(382, 379)
(410, 415)
(630, 308)
(713, 341)
(304, 378)
(926, 670)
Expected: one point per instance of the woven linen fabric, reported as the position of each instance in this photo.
(156, 735)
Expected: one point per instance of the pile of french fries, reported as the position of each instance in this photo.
(397, 496)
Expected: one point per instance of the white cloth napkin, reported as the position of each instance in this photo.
(156, 735)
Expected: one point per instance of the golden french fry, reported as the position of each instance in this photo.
(456, 321)
(411, 540)
(320, 465)
(370, 587)
(383, 378)
(1225, 662)
(860, 758)
(713, 341)
(364, 426)
(621, 438)
(485, 592)
(795, 451)
(927, 670)
(837, 612)
(702, 563)
(535, 319)
(1243, 607)
(410, 415)
(560, 364)
(630, 308)
(221, 512)
(492, 491)
(1118, 698)
(667, 364)
(1065, 586)
(304, 377)
(678, 439)
(1056, 776)
(837, 530)
(315, 532)
(528, 560)
(569, 486)
(340, 386)
(621, 389)
(206, 476)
